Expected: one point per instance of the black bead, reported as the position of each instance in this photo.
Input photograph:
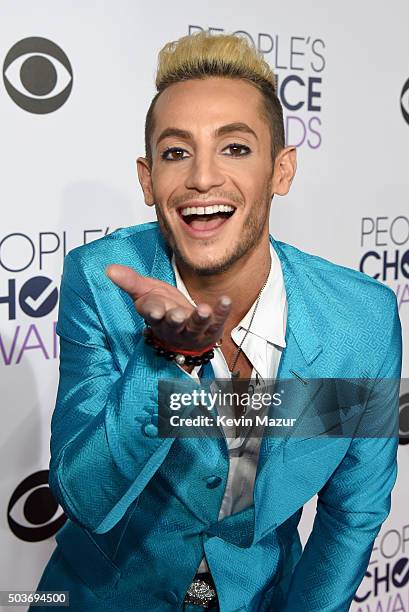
(189, 360)
(170, 356)
(205, 359)
(149, 341)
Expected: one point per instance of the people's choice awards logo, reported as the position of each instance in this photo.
(32, 510)
(404, 101)
(385, 252)
(37, 75)
(384, 587)
(299, 64)
(29, 290)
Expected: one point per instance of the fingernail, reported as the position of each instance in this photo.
(203, 314)
(155, 314)
(177, 318)
(225, 301)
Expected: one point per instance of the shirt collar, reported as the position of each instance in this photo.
(270, 319)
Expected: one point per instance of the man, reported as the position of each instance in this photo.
(182, 523)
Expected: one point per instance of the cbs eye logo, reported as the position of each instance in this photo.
(404, 419)
(404, 101)
(32, 510)
(37, 75)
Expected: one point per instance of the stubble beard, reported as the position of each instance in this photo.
(251, 234)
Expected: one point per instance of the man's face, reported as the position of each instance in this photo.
(211, 147)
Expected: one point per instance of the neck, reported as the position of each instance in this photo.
(250, 271)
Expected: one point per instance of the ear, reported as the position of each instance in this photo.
(285, 166)
(145, 179)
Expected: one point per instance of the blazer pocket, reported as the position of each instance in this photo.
(319, 434)
(299, 447)
(87, 559)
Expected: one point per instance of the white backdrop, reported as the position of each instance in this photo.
(69, 140)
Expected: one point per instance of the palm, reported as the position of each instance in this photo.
(172, 318)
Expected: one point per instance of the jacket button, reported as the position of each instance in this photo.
(150, 430)
(213, 481)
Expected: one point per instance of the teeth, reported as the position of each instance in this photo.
(206, 210)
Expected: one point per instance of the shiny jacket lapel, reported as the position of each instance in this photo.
(285, 479)
(302, 349)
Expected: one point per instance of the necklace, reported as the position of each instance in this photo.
(236, 373)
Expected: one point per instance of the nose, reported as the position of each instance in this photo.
(204, 173)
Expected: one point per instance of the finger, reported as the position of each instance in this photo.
(199, 320)
(130, 281)
(220, 313)
(176, 318)
(151, 309)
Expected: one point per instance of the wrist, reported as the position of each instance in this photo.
(185, 358)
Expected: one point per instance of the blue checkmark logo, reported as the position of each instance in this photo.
(38, 296)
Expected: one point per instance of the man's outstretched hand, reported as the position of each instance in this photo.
(172, 318)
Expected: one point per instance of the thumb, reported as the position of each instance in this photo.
(129, 280)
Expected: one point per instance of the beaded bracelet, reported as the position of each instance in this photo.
(181, 356)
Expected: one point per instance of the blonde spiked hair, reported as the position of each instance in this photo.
(202, 55)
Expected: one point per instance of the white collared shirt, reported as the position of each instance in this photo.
(263, 347)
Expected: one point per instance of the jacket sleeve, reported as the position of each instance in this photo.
(351, 508)
(104, 442)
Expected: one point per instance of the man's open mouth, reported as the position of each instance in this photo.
(204, 218)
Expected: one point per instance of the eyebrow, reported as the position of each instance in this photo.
(221, 131)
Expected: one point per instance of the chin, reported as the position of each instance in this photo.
(206, 267)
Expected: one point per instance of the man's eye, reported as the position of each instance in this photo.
(173, 154)
(235, 148)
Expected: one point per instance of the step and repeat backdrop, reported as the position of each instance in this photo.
(77, 79)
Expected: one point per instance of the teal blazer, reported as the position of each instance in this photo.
(143, 510)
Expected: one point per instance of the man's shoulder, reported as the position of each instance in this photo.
(134, 245)
(345, 291)
(355, 316)
(134, 236)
